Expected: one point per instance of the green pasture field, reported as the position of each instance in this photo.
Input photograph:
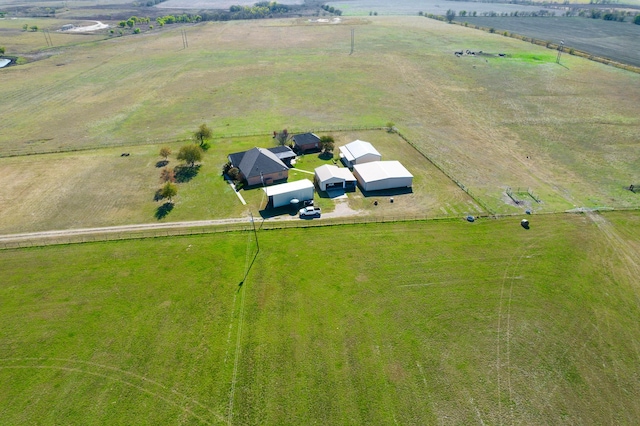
(413, 323)
(566, 131)
(102, 188)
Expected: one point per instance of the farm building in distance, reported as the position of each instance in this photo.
(380, 175)
(358, 152)
(306, 142)
(331, 177)
(281, 195)
(260, 166)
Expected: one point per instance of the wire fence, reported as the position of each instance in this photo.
(445, 172)
(35, 149)
(265, 225)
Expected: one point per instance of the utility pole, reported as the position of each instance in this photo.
(255, 233)
(560, 51)
(352, 40)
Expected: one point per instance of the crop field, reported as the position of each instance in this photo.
(413, 7)
(214, 4)
(417, 323)
(614, 40)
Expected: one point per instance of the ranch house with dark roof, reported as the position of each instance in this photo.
(259, 166)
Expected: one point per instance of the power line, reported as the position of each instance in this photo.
(352, 40)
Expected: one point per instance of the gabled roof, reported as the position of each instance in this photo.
(285, 188)
(260, 160)
(283, 152)
(358, 149)
(379, 170)
(306, 139)
(329, 171)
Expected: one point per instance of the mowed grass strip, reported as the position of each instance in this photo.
(417, 322)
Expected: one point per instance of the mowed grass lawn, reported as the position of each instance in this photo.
(101, 188)
(414, 323)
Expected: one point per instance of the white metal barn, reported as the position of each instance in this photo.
(281, 195)
(381, 175)
(330, 177)
(358, 152)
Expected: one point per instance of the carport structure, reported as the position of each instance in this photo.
(332, 177)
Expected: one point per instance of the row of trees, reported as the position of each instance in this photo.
(26, 27)
(185, 18)
(191, 154)
(331, 9)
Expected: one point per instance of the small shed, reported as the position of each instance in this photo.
(380, 175)
(358, 152)
(306, 142)
(329, 177)
(281, 195)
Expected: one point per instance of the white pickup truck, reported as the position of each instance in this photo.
(309, 212)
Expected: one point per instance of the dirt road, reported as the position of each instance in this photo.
(115, 229)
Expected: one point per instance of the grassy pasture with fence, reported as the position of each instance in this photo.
(568, 133)
(420, 322)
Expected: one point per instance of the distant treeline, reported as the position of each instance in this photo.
(605, 14)
(331, 9)
(148, 3)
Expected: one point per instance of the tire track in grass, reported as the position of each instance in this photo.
(508, 332)
(236, 362)
(505, 274)
(115, 379)
(498, 360)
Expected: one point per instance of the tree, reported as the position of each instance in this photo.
(2, 50)
(165, 152)
(327, 143)
(203, 134)
(234, 173)
(190, 154)
(25, 27)
(34, 28)
(636, 20)
(391, 126)
(169, 190)
(167, 175)
(282, 137)
(450, 15)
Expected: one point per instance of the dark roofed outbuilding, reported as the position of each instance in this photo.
(306, 142)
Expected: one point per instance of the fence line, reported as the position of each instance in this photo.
(33, 150)
(446, 173)
(266, 225)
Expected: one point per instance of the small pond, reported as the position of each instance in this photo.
(4, 62)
